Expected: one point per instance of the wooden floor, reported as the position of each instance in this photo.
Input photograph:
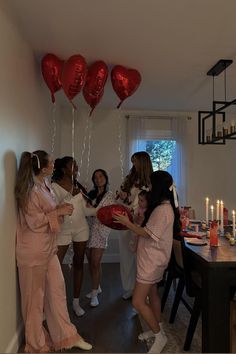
(112, 327)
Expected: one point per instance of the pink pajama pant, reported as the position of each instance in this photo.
(43, 291)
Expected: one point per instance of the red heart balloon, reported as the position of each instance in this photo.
(105, 213)
(51, 67)
(74, 75)
(124, 81)
(95, 81)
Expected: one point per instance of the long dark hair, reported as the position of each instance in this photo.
(93, 194)
(161, 182)
(140, 176)
(59, 166)
(58, 172)
(30, 164)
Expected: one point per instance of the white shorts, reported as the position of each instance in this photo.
(66, 239)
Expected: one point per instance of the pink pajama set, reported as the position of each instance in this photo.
(41, 281)
(153, 253)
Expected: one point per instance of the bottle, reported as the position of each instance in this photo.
(213, 234)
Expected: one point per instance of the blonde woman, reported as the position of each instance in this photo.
(41, 281)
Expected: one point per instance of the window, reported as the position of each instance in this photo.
(161, 153)
(164, 138)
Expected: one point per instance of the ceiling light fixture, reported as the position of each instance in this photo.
(212, 128)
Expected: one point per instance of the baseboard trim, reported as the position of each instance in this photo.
(16, 340)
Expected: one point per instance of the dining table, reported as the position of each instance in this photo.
(217, 268)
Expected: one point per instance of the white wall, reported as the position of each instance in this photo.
(25, 115)
(211, 172)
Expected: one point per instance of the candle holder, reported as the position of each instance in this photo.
(232, 129)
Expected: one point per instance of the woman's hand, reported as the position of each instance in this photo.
(65, 209)
(124, 220)
(121, 218)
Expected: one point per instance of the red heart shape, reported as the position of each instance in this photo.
(51, 67)
(95, 81)
(124, 81)
(74, 75)
(105, 213)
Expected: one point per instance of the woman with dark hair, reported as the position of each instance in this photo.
(137, 179)
(162, 221)
(75, 228)
(99, 233)
(41, 281)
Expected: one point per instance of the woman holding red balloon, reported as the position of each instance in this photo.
(162, 221)
(137, 179)
(99, 233)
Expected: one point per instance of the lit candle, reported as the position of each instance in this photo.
(217, 210)
(207, 210)
(233, 220)
(222, 216)
(212, 212)
(232, 126)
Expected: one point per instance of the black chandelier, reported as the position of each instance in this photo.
(211, 124)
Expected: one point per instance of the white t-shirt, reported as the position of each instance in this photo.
(77, 221)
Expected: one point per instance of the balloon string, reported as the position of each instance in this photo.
(89, 150)
(54, 128)
(84, 144)
(73, 144)
(119, 147)
(118, 106)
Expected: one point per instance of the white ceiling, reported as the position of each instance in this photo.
(172, 43)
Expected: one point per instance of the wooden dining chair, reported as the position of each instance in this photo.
(191, 282)
(173, 273)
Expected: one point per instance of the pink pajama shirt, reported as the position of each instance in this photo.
(153, 253)
(41, 280)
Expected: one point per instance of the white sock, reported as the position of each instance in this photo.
(76, 301)
(94, 292)
(161, 327)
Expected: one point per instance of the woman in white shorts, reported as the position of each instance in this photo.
(75, 227)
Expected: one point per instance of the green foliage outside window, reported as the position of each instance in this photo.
(161, 153)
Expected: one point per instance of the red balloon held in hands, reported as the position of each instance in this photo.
(95, 81)
(51, 67)
(105, 213)
(73, 75)
(124, 81)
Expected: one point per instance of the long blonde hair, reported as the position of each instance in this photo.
(139, 176)
(30, 165)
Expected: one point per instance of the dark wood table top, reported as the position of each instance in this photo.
(223, 253)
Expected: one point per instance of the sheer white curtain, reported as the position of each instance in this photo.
(179, 164)
(135, 128)
(137, 136)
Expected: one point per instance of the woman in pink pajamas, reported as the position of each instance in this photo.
(41, 280)
(161, 221)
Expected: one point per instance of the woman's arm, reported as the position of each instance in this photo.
(38, 219)
(88, 210)
(124, 220)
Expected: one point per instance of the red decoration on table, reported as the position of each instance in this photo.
(124, 81)
(105, 213)
(95, 81)
(51, 67)
(74, 75)
(213, 233)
